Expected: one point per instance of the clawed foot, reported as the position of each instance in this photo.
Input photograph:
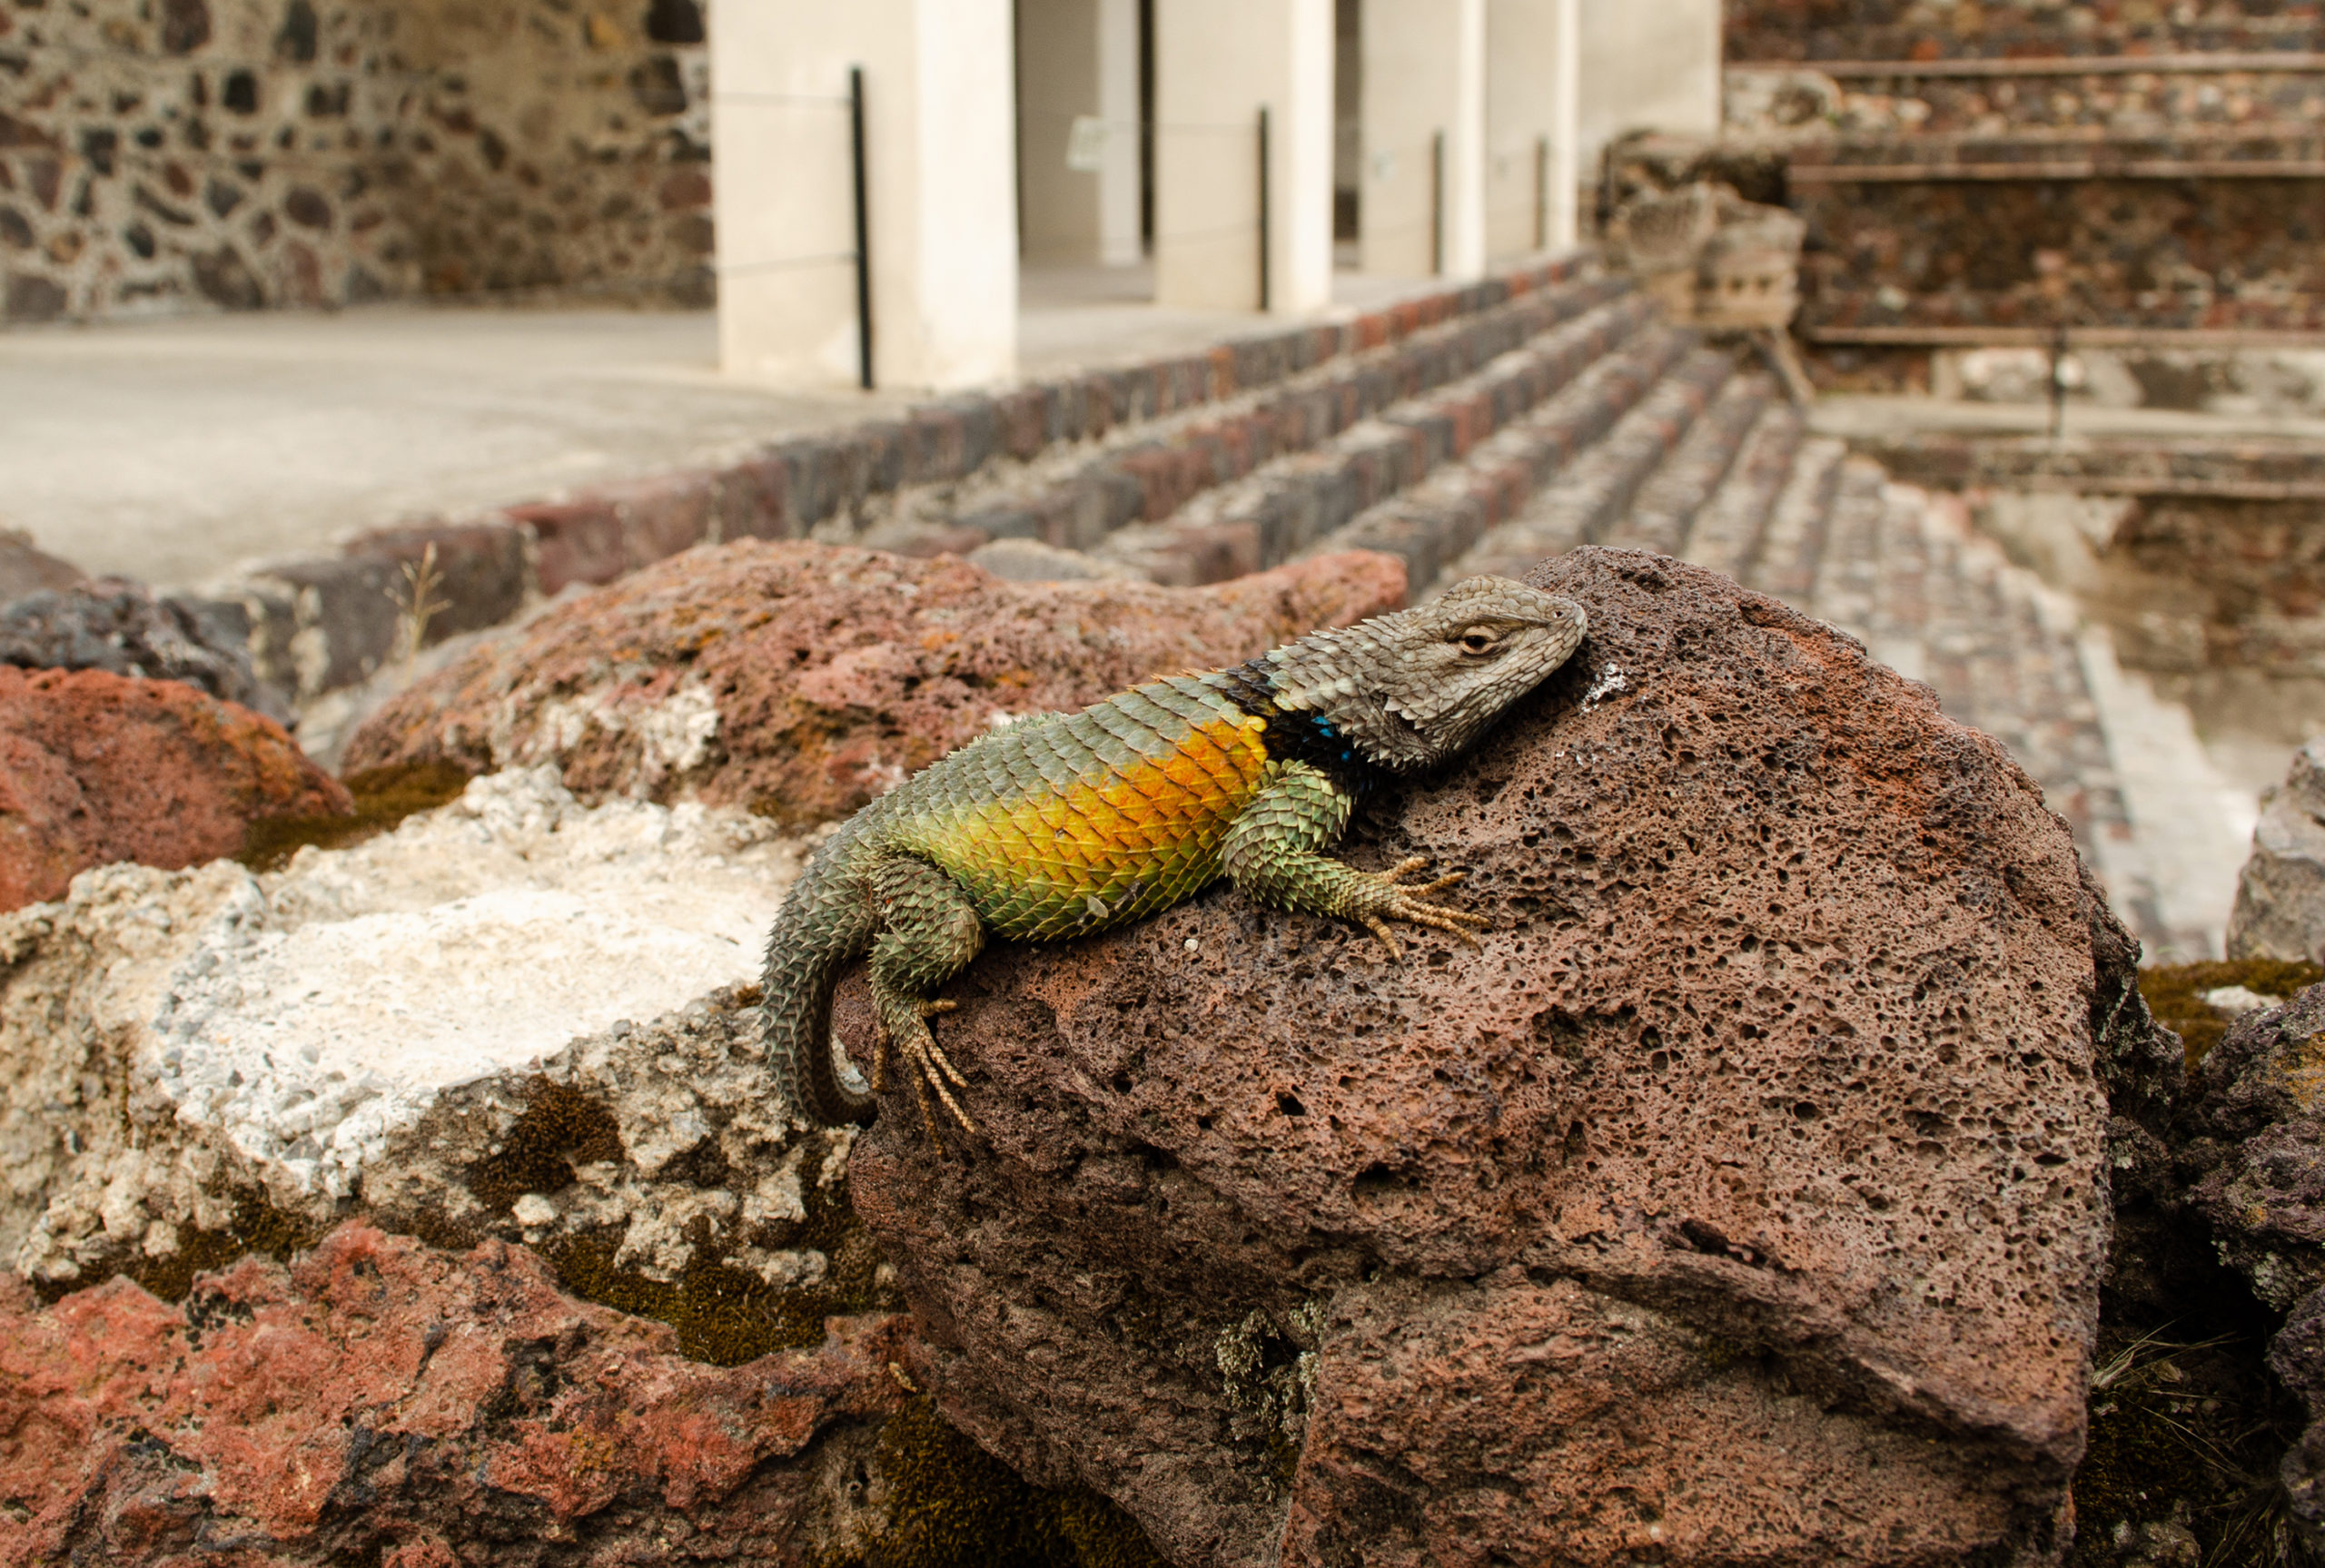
(1403, 902)
(931, 1068)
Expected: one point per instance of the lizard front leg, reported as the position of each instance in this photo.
(1270, 855)
(928, 933)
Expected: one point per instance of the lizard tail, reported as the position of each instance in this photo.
(826, 924)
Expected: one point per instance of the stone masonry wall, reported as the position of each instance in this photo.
(2218, 255)
(163, 156)
(2005, 166)
(1809, 30)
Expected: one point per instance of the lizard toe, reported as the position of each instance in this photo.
(928, 1058)
(1379, 928)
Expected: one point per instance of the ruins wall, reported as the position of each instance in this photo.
(188, 156)
(1810, 30)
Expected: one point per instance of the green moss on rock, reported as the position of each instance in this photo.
(257, 1227)
(2175, 994)
(384, 796)
(951, 1504)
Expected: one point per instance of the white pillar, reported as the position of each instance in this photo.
(1119, 243)
(940, 155)
(1217, 63)
(1529, 128)
(1652, 67)
(1565, 125)
(1424, 77)
(1077, 63)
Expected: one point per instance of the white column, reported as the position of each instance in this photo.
(1529, 129)
(1077, 64)
(1424, 76)
(1565, 125)
(940, 148)
(1651, 66)
(1520, 75)
(1217, 63)
(1118, 244)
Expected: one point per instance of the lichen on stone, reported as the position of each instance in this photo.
(2175, 994)
(1267, 1367)
(384, 796)
(948, 1503)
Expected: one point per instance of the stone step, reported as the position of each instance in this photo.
(1288, 505)
(1725, 533)
(1843, 578)
(1665, 507)
(1783, 560)
(1441, 518)
(1590, 493)
(1149, 473)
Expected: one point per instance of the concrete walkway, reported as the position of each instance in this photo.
(171, 451)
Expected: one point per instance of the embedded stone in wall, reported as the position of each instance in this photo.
(240, 154)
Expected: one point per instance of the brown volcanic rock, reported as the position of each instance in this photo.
(2255, 1147)
(382, 1398)
(27, 569)
(802, 679)
(1740, 1200)
(96, 767)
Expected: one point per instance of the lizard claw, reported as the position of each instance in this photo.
(1403, 900)
(934, 1070)
(904, 1033)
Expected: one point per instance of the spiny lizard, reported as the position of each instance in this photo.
(1064, 824)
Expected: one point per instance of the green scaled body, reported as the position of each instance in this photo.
(1067, 824)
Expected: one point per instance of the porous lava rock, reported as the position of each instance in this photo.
(1740, 1199)
(378, 1401)
(2254, 1156)
(98, 767)
(802, 679)
(2281, 895)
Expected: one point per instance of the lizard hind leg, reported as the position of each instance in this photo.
(929, 930)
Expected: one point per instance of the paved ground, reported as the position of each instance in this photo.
(171, 451)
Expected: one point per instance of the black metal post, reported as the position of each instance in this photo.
(1437, 204)
(1541, 192)
(1264, 236)
(862, 229)
(2059, 381)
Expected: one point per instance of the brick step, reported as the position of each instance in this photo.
(1665, 507)
(1444, 515)
(1726, 532)
(1783, 559)
(1151, 472)
(1289, 506)
(1588, 495)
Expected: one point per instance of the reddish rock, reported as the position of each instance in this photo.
(1740, 1199)
(379, 1401)
(27, 569)
(96, 767)
(802, 679)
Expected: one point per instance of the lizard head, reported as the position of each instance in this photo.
(1414, 687)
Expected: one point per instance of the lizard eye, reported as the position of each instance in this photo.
(1478, 640)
